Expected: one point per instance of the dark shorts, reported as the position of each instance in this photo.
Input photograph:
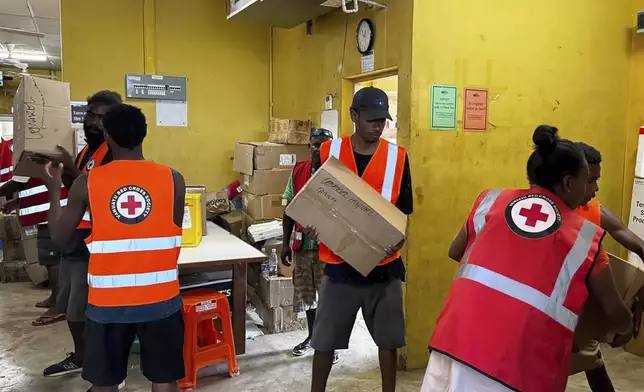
(48, 253)
(107, 348)
(73, 290)
(382, 309)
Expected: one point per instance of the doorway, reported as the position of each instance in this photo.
(389, 85)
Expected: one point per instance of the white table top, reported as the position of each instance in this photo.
(219, 246)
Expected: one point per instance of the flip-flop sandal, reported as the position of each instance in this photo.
(45, 304)
(47, 320)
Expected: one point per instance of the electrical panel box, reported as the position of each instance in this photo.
(157, 87)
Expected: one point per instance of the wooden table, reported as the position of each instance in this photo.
(220, 249)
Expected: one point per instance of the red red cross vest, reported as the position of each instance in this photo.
(384, 174)
(513, 307)
(6, 161)
(33, 202)
(301, 174)
(95, 160)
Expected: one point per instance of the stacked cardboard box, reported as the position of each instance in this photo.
(289, 131)
(274, 303)
(20, 254)
(265, 169)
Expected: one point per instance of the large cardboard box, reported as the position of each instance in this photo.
(289, 131)
(629, 278)
(10, 228)
(263, 207)
(266, 182)
(351, 218)
(41, 120)
(200, 189)
(251, 156)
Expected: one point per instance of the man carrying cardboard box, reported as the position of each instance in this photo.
(308, 270)
(385, 167)
(592, 210)
(137, 210)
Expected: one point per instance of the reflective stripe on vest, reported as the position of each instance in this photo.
(484, 208)
(550, 305)
(134, 245)
(38, 208)
(390, 167)
(33, 191)
(131, 280)
(6, 170)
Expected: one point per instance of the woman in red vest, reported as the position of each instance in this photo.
(528, 263)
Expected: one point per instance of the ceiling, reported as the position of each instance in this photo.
(38, 16)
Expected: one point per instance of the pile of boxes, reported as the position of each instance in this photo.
(265, 168)
(20, 254)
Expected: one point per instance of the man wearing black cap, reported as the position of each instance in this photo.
(344, 290)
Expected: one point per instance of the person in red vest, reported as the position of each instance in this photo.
(137, 211)
(308, 270)
(528, 263)
(591, 209)
(385, 167)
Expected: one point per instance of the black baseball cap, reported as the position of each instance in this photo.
(372, 103)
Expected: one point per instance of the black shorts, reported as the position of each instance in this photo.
(107, 348)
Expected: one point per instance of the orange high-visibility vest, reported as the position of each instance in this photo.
(135, 244)
(95, 160)
(591, 211)
(384, 174)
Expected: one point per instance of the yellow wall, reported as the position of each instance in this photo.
(563, 63)
(226, 64)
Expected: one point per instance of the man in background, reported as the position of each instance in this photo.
(592, 210)
(308, 270)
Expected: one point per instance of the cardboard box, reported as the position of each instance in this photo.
(278, 319)
(231, 222)
(192, 221)
(289, 131)
(276, 291)
(629, 278)
(351, 218)
(263, 207)
(200, 189)
(276, 244)
(37, 273)
(251, 156)
(10, 228)
(217, 203)
(21, 250)
(266, 182)
(41, 120)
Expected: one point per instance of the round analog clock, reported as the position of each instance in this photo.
(365, 36)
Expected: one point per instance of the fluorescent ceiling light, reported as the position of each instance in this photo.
(24, 56)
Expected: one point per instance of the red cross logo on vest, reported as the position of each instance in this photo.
(130, 204)
(533, 216)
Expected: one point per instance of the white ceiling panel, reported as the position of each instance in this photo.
(17, 22)
(15, 7)
(48, 26)
(22, 42)
(44, 8)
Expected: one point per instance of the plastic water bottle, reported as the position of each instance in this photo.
(272, 263)
(264, 266)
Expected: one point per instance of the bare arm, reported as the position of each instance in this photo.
(629, 240)
(457, 249)
(602, 288)
(179, 197)
(64, 221)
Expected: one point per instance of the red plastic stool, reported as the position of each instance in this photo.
(204, 344)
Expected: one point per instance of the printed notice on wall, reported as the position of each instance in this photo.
(172, 113)
(443, 107)
(368, 62)
(475, 110)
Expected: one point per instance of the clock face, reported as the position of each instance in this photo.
(364, 37)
